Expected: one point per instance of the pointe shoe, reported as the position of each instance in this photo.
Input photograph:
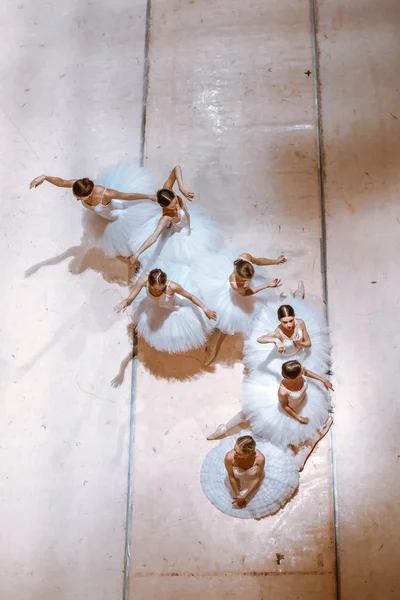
(221, 430)
(210, 355)
(301, 291)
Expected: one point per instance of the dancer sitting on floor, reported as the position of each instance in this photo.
(167, 316)
(294, 413)
(253, 480)
(302, 333)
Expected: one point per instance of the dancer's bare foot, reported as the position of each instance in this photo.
(301, 291)
(304, 454)
(221, 430)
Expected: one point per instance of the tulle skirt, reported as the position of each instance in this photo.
(174, 331)
(266, 357)
(235, 313)
(281, 479)
(261, 406)
(117, 237)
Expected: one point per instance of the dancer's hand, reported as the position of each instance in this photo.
(134, 261)
(211, 314)
(304, 420)
(188, 195)
(275, 283)
(328, 385)
(281, 259)
(239, 501)
(37, 181)
(280, 346)
(121, 306)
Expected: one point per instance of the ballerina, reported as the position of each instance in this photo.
(233, 294)
(298, 414)
(253, 480)
(167, 316)
(306, 339)
(110, 216)
(175, 235)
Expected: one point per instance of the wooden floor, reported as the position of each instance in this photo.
(229, 93)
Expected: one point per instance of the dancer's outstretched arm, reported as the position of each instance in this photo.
(139, 285)
(111, 194)
(323, 380)
(178, 289)
(58, 181)
(263, 262)
(272, 284)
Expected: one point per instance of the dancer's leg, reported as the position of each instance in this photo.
(213, 346)
(304, 454)
(300, 290)
(238, 419)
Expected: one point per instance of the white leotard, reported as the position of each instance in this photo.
(107, 211)
(288, 344)
(296, 398)
(165, 300)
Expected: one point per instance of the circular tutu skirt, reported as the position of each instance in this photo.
(261, 406)
(281, 479)
(116, 236)
(183, 328)
(266, 356)
(235, 313)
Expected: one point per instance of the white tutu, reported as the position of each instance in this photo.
(186, 242)
(266, 356)
(261, 406)
(235, 313)
(281, 479)
(112, 228)
(177, 328)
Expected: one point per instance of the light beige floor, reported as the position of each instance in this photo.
(360, 97)
(242, 121)
(229, 99)
(67, 108)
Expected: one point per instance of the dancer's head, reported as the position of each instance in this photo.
(286, 316)
(292, 369)
(157, 280)
(245, 445)
(243, 269)
(166, 198)
(82, 188)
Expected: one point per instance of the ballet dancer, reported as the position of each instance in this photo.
(233, 294)
(110, 216)
(175, 235)
(302, 334)
(252, 480)
(294, 415)
(167, 316)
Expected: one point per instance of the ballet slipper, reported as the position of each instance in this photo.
(300, 291)
(210, 355)
(221, 430)
(325, 428)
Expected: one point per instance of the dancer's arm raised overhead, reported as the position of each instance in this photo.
(176, 177)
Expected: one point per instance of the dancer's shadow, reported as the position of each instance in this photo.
(116, 270)
(177, 367)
